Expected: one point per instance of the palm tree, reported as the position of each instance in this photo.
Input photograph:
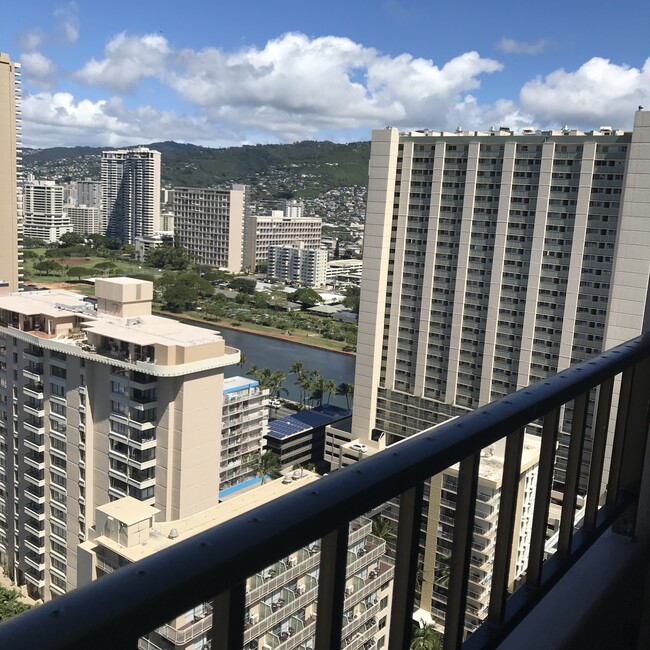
(329, 387)
(266, 464)
(317, 386)
(382, 528)
(425, 637)
(305, 385)
(275, 382)
(297, 367)
(347, 390)
(443, 569)
(242, 360)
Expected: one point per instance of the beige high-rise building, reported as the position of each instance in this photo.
(492, 260)
(10, 256)
(297, 264)
(98, 403)
(130, 193)
(278, 229)
(209, 223)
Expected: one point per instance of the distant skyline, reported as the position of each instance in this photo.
(225, 74)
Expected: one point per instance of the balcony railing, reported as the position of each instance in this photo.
(214, 565)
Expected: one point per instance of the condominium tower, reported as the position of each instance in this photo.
(10, 227)
(130, 193)
(492, 260)
(43, 215)
(209, 223)
(294, 263)
(98, 402)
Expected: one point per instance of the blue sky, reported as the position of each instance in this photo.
(222, 73)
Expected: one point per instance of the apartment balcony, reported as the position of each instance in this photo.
(589, 594)
(35, 408)
(34, 373)
(34, 390)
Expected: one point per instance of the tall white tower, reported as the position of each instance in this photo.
(131, 193)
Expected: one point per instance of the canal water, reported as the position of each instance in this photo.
(277, 354)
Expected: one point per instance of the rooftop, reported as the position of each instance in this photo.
(128, 512)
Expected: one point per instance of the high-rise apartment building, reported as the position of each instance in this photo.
(278, 229)
(492, 260)
(294, 263)
(131, 193)
(84, 220)
(209, 223)
(280, 600)
(10, 200)
(44, 217)
(243, 426)
(98, 402)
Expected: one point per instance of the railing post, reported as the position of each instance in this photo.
(505, 527)
(331, 587)
(461, 552)
(228, 607)
(406, 566)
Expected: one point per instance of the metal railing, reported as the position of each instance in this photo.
(214, 565)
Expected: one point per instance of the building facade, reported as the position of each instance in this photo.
(280, 600)
(278, 229)
(44, 217)
(130, 193)
(296, 264)
(209, 223)
(10, 168)
(87, 192)
(85, 220)
(97, 403)
(492, 260)
(244, 424)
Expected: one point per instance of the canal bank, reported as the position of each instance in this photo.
(279, 353)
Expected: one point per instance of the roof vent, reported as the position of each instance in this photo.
(173, 533)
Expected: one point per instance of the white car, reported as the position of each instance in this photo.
(276, 403)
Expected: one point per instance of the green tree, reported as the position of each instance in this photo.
(304, 382)
(347, 390)
(317, 387)
(79, 272)
(180, 297)
(243, 285)
(105, 267)
(167, 256)
(10, 605)
(242, 360)
(425, 637)
(48, 266)
(329, 387)
(266, 464)
(68, 239)
(382, 528)
(306, 296)
(33, 242)
(352, 297)
(276, 381)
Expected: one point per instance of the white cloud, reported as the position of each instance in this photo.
(511, 46)
(38, 69)
(30, 40)
(599, 92)
(128, 60)
(58, 119)
(67, 18)
(296, 86)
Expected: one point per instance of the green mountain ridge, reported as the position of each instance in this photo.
(309, 166)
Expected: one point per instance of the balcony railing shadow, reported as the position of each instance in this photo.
(214, 565)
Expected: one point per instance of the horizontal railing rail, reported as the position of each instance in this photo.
(123, 606)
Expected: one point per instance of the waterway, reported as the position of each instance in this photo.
(277, 354)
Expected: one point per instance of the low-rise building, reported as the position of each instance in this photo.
(280, 599)
(297, 264)
(85, 219)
